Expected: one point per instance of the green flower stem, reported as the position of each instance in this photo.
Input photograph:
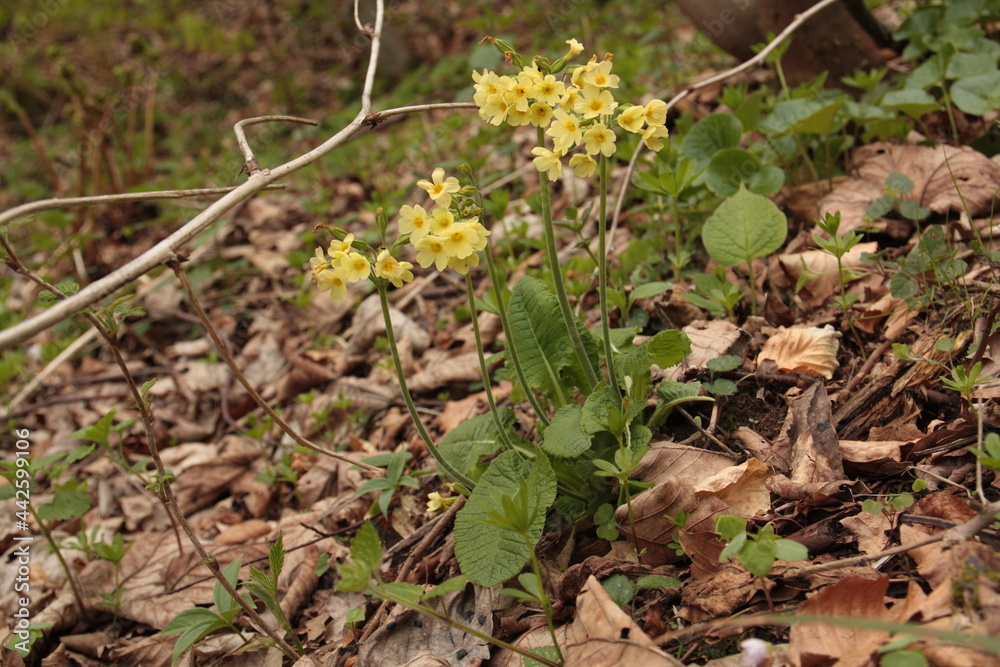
(511, 350)
(602, 274)
(482, 364)
(590, 376)
(546, 600)
(442, 462)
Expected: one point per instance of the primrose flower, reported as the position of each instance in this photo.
(517, 118)
(656, 112)
(441, 189)
(575, 47)
(355, 266)
(332, 281)
(632, 119)
(460, 240)
(482, 232)
(487, 83)
(495, 110)
(547, 161)
(441, 219)
(540, 114)
(340, 248)
(577, 76)
(600, 75)
(390, 268)
(530, 76)
(549, 90)
(583, 165)
(431, 250)
(318, 263)
(599, 139)
(519, 93)
(568, 101)
(653, 137)
(595, 102)
(565, 130)
(435, 501)
(413, 220)
(462, 265)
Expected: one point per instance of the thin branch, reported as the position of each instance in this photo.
(753, 62)
(175, 266)
(241, 138)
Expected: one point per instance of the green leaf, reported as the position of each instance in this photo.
(565, 436)
(649, 289)
(657, 581)
(872, 507)
(729, 526)
(192, 625)
(713, 133)
(733, 547)
(596, 409)
(729, 169)
(619, 589)
(354, 616)
(447, 586)
(474, 438)
(540, 337)
(720, 387)
(409, 592)
(668, 348)
(728, 362)
(276, 557)
(547, 652)
(743, 227)
(977, 95)
(353, 578)
(99, 432)
(913, 102)
(758, 556)
(487, 554)
(224, 602)
(790, 550)
(366, 551)
(65, 505)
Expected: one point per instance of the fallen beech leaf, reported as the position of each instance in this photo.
(870, 531)
(709, 340)
(853, 597)
(669, 459)
(741, 487)
(816, 453)
(809, 349)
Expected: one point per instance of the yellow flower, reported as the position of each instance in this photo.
(413, 220)
(318, 263)
(518, 95)
(390, 268)
(482, 232)
(653, 137)
(599, 139)
(600, 75)
(495, 110)
(575, 47)
(430, 250)
(540, 114)
(517, 118)
(577, 77)
(332, 281)
(564, 130)
(595, 102)
(340, 248)
(460, 240)
(354, 267)
(487, 83)
(529, 76)
(568, 101)
(656, 112)
(583, 165)
(435, 501)
(547, 161)
(441, 219)
(462, 265)
(549, 90)
(441, 189)
(632, 119)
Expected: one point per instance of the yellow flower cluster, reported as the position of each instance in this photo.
(437, 236)
(583, 111)
(346, 265)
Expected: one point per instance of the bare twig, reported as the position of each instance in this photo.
(241, 138)
(753, 62)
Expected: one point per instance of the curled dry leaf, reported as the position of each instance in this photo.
(741, 487)
(809, 349)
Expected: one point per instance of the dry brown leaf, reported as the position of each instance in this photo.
(441, 367)
(741, 487)
(369, 323)
(721, 593)
(655, 531)
(709, 340)
(703, 549)
(809, 349)
(816, 453)
(822, 276)
(853, 597)
(871, 531)
(776, 455)
(244, 531)
(669, 459)
(602, 635)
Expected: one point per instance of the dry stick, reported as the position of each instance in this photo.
(756, 60)
(163, 489)
(704, 432)
(950, 537)
(241, 138)
(175, 266)
(164, 250)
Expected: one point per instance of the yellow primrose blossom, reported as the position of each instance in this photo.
(549, 90)
(653, 137)
(460, 239)
(632, 119)
(390, 268)
(595, 102)
(464, 264)
(413, 220)
(568, 101)
(482, 232)
(540, 114)
(656, 112)
(354, 267)
(441, 219)
(530, 76)
(599, 139)
(435, 501)
(577, 77)
(517, 118)
(519, 94)
(340, 248)
(547, 161)
(583, 165)
(487, 83)
(495, 110)
(441, 188)
(600, 75)
(332, 281)
(565, 130)
(575, 47)
(431, 250)
(319, 262)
